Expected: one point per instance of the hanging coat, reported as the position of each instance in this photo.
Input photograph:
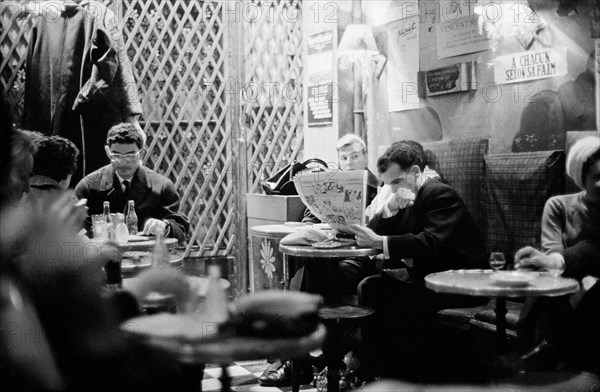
(79, 81)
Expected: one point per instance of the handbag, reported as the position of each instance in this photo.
(282, 183)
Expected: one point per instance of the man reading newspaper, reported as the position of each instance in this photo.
(424, 226)
(315, 276)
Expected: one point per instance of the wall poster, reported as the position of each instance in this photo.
(530, 65)
(451, 79)
(321, 89)
(403, 64)
(460, 36)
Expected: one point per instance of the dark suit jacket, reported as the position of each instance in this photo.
(154, 196)
(437, 232)
(582, 259)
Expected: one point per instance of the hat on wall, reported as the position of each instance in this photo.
(579, 153)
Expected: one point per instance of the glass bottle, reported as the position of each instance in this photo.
(160, 253)
(215, 306)
(131, 219)
(107, 221)
(112, 268)
(121, 232)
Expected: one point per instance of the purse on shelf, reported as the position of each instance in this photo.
(281, 183)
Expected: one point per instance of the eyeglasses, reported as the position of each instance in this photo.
(125, 157)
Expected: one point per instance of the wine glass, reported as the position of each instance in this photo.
(556, 270)
(497, 260)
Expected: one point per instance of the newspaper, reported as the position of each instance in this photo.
(335, 197)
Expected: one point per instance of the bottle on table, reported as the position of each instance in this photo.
(160, 253)
(107, 220)
(112, 268)
(215, 305)
(121, 232)
(131, 218)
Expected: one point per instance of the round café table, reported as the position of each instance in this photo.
(337, 317)
(194, 348)
(478, 283)
(146, 245)
(328, 253)
(134, 262)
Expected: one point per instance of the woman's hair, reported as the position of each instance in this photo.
(56, 157)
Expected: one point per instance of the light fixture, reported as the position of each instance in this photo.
(510, 19)
(358, 46)
(358, 43)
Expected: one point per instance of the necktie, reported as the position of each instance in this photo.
(126, 191)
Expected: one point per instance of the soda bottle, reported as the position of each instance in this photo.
(121, 232)
(131, 219)
(112, 268)
(215, 306)
(106, 219)
(160, 254)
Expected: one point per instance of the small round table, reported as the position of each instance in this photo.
(335, 317)
(133, 262)
(478, 283)
(224, 349)
(312, 252)
(336, 320)
(147, 245)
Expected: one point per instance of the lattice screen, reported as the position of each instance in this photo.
(178, 51)
(14, 36)
(182, 65)
(273, 90)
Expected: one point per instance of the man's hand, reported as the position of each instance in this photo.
(153, 225)
(529, 256)
(367, 238)
(401, 199)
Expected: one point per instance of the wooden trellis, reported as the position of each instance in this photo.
(221, 112)
(273, 89)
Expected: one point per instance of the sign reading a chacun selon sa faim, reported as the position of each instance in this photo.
(530, 65)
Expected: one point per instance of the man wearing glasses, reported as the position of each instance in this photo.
(155, 197)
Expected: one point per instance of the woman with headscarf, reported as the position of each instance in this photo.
(570, 242)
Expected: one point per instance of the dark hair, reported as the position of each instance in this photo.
(403, 153)
(124, 133)
(22, 151)
(588, 164)
(419, 148)
(56, 157)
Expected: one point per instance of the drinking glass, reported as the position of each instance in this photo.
(556, 271)
(497, 260)
(99, 227)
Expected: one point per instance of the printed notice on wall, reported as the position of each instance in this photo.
(460, 36)
(403, 67)
(319, 67)
(531, 65)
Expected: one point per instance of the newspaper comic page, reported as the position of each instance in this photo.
(335, 197)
